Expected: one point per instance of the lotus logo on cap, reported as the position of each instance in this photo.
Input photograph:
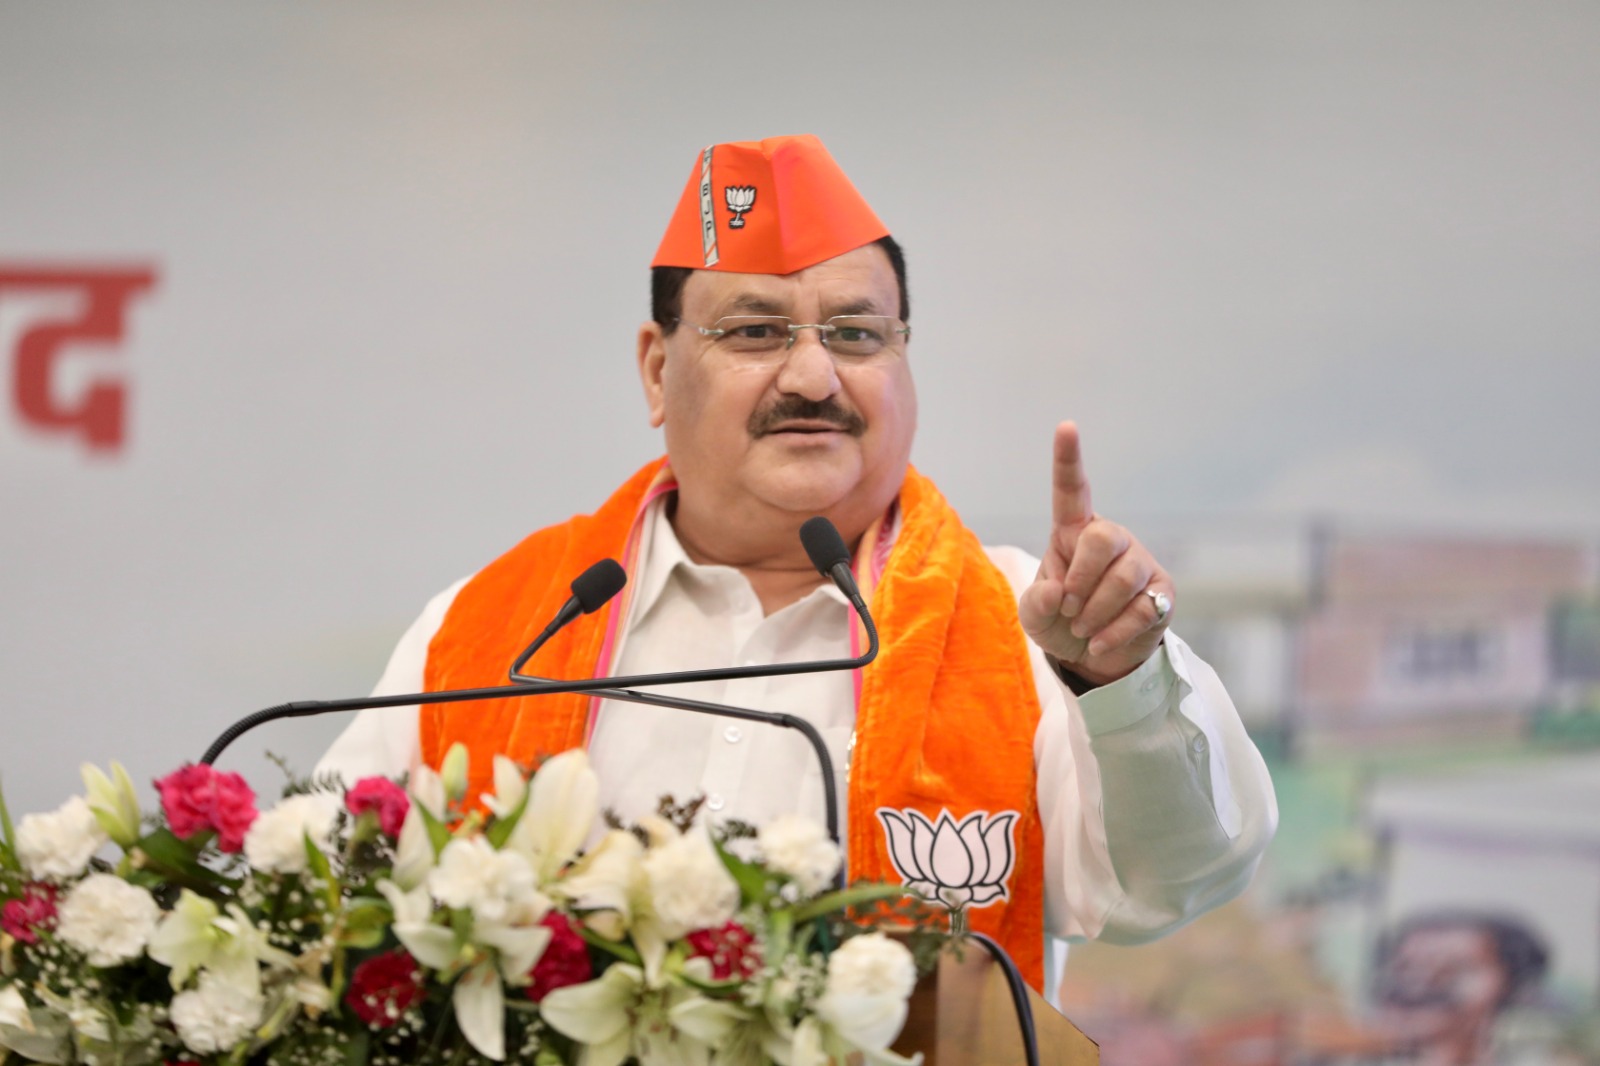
(740, 199)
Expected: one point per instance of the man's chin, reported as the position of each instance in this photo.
(808, 487)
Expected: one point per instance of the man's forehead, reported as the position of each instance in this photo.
(859, 282)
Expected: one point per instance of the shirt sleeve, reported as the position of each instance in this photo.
(1156, 804)
(387, 741)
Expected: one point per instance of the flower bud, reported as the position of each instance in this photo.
(453, 771)
(114, 802)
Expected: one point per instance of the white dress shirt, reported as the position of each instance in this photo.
(1156, 805)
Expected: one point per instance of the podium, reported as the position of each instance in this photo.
(962, 1014)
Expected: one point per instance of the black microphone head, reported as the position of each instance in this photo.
(824, 545)
(599, 583)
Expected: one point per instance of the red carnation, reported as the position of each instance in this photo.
(565, 960)
(197, 798)
(33, 911)
(384, 987)
(730, 948)
(385, 797)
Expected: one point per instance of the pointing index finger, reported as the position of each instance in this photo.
(1069, 485)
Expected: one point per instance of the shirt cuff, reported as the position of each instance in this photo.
(1130, 699)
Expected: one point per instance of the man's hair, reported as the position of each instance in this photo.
(1523, 956)
(666, 287)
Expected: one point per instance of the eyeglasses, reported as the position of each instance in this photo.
(848, 338)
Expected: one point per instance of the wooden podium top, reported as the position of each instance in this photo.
(962, 1015)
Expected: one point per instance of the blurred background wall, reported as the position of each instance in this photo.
(307, 310)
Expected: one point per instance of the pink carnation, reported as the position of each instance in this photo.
(197, 798)
(565, 960)
(385, 797)
(34, 911)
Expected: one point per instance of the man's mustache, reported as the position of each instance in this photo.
(798, 409)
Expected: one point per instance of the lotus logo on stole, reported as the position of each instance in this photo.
(963, 864)
(740, 199)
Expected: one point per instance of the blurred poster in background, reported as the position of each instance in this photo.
(307, 311)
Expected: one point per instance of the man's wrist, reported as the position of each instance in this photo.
(1070, 678)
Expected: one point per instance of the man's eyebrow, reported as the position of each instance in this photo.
(864, 306)
(751, 304)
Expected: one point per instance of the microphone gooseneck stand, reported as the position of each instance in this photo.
(591, 590)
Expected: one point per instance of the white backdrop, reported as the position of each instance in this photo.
(1276, 258)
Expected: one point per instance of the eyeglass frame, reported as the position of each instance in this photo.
(823, 328)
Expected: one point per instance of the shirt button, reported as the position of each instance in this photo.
(1150, 685)
(716, 803)
(732, 734)
(1199, 744)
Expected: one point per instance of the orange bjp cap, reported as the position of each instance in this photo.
(766, 207)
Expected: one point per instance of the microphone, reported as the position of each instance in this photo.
(822, 543)
(832, 560)
(590, 591)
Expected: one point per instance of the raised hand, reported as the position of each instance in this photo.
(1100, 603)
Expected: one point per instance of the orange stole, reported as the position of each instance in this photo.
(945, 720)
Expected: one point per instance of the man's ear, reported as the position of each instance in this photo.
(652, 365)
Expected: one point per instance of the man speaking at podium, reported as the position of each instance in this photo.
(1031, 738)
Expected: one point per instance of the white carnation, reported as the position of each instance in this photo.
(498, 886)
(689, 887)
(107, 919)
(799, 847)
(871, 965)
(275, 842)
(59, 845)
(216, 1015)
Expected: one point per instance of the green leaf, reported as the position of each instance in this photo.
(500, 831)
(357, 1048)
(366, 918)
(621, 949)
(8, 853)
(751, 879)
(854, 896)
(177, 859)
(438, 832)
(320, 868)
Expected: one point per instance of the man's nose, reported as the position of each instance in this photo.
(809, 370)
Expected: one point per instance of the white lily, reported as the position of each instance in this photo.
(604, 883)
(619, 1014)
(597, 1013)
(518, 947)
(563, 803)
(41, 1035)
(427, 788)
(197, 935)
(432, 945)
(609, 888)
(479, 1000)
(114, 802)
(509, 788)
(414, 854)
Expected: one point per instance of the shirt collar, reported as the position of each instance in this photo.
(661, 554)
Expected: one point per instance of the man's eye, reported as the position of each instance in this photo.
(760, 331)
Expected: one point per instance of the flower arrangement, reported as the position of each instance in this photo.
(392, 924)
